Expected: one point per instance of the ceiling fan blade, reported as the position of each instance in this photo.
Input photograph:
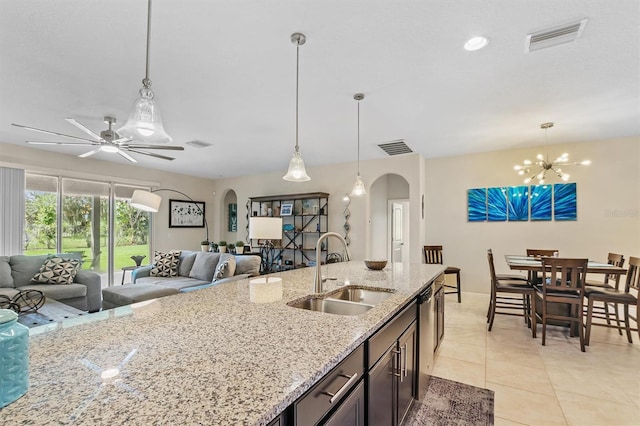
(64, 143)
(83, 128)
(169, 147)
(152, 154)
(121, 140)
(48, 132)
(86, 154)
(127, 156)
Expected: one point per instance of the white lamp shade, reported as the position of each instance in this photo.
(297, 171)
(145, 123)
(145, 200)
(265, 228)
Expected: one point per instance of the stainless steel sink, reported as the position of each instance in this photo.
(369, 296)
(331, 306)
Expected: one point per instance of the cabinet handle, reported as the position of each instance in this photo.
(405, 360)
(344, 387)
(397, 361)
(401, 360)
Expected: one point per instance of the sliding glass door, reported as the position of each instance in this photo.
(90, 219)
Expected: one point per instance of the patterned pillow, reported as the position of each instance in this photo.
(226, 268)
(57, 270)
(165, 264)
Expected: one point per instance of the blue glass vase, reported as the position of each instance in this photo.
(14, 358)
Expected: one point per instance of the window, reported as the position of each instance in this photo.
(64, 215)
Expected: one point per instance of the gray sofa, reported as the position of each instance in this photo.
(16, 273)
(195, 271)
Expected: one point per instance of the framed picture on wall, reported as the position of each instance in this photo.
(186, 214)
(286, 209)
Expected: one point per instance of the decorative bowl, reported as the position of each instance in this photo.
(375, 265)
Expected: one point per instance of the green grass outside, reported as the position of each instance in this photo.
(122, 253)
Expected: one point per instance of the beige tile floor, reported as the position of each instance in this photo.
(554, 384)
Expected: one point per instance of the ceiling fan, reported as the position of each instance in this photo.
(107, 141)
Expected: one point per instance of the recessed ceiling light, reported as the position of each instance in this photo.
(476, 43)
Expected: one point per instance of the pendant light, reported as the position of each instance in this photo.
(358, 187)
(297, 171)
(145, 123)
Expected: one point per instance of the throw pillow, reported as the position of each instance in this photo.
(204, 266)
(247, 264)
(57, 270)
(186, 262)
(226, 267)
(165, 264)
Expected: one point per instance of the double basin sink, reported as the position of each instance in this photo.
(349, 300)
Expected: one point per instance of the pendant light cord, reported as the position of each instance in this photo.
(358, 138)
(146, 82)
(297, 87)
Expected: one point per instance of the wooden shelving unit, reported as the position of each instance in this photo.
(309, 219)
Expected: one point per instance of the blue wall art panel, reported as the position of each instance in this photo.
(564, 201)
(477, 204)
(541, 202)
(497, 204)
(518, 199)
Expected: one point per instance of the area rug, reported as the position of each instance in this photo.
(448, 403)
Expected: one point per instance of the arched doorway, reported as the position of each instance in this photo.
(389, 236)
(229, 231)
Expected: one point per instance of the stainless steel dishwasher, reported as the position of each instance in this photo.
(426, 339)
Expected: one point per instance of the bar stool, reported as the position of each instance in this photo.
(433, 256)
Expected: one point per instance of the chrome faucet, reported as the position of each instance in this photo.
(317, 282)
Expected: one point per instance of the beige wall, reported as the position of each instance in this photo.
(608, 201)
(608, 197)
(88, 168)
(337, 180)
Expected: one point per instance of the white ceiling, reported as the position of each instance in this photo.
(224, 72)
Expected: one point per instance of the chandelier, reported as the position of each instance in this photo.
(538, 169)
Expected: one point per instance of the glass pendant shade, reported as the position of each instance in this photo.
(145, 123)
(297, 171)
(358, 187)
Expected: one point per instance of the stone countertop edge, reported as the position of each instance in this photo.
(209, 356)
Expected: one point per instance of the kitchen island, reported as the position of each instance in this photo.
(210, 356)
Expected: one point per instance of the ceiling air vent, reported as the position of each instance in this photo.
(396, 147)
(555, 36)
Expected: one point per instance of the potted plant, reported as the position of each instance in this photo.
(204, 245)
(214, 247)
(222, 246)
(231, 248)
(239, 247)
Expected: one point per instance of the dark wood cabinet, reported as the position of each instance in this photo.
(392, 379)
(351, 411)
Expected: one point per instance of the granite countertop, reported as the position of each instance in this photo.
(206, 357)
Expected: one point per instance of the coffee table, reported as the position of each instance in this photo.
(52, 311)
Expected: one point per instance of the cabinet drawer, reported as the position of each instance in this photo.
(387, 336)
(313, 405)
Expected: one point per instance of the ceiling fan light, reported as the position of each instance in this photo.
(297, 171)
(145, 122)
(585, 162)
(358, 187)
(109, 148)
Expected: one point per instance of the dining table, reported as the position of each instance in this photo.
(534, 266)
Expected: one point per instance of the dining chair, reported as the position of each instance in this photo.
(507, 304)
(562, 283)
(617, 297)
(538, 253)
(601, 310)
(433, 255)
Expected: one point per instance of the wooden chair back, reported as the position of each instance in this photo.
(492, 268)
(633, 276)
(433, 254)
(541, 252)
(615, 260)
(563, 275)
